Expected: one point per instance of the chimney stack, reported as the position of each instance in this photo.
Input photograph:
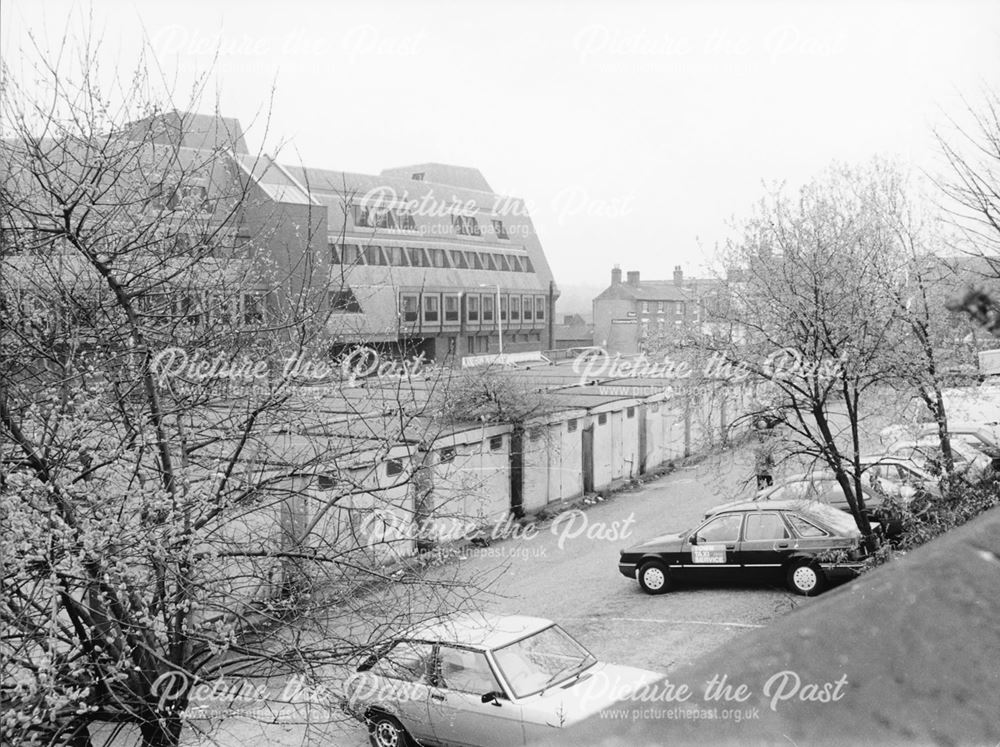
(632, 277)
(616, 275)
(678, 275)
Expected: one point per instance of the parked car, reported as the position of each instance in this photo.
(484, 680)
(899, 477)
(969, 461)
(977, 435)
(804, 543)
(823, 487)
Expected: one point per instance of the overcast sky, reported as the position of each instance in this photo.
(634, 130)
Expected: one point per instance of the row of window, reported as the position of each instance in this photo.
(664, 307)
(192, 308)
(402, 219)
(435, 308)
(416, 256)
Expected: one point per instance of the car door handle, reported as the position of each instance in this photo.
(437, 696)
(730, 547)
(783, 546)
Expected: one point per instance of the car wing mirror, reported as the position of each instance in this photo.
(492, 697)
(693, 539)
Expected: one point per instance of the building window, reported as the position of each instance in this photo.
(393, 467)
(602, 418)
(447, 454)
(253, 308)
(334, 253)
(535, 434)
(452, 345)
(540, 308)
(471, 343)
(466, 225)
(630, 412)
(431, 307)
(499, 230)
(326, 482)
(344, 301)
(472, 308)
(487, 308)
(372, 255)
(571, 425)
(496, 443)
(679, 309)
(503, 308)
(396, 258)
(417, 257)
(349, 254)
(418, 176)
(528, 267)
(515, 308)
(458, 259)
(410, 305)
(437, 257)
(645, 307)
(527, 308)
(451, 305)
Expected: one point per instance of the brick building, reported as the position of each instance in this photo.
(636, 315)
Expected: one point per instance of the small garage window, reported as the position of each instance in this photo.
(630, 412)
(447, 454)
(393, 467)
(571, 425)
(602, 418)
(535, 433)
(496, 443)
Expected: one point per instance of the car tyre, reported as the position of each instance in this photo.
(806, 578)
(653, 577)
(386, 731)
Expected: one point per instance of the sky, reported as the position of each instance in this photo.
(636, 132)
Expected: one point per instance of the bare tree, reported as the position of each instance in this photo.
(182, 499)
(805, 317)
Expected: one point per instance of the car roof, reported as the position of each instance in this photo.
(832, 517)
(478, 630)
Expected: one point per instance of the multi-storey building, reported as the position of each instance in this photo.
(419, 259)
(427, 258)
(637, 315)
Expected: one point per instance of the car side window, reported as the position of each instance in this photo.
(805, 529)
(764, 527)
(721, 529)
(407, 660)
(466, 671)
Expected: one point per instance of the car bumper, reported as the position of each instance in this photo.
(627, 570)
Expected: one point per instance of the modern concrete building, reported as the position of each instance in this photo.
(428, 258)
(636, 315)
(418, 259)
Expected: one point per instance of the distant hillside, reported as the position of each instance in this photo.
(577, 299)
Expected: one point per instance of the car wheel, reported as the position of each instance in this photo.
(386, 731)
(805, 578)
(653, 577)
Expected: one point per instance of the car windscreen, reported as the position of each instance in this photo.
(545, 658)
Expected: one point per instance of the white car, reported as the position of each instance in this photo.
(484, 680)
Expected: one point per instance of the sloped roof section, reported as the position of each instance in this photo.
(465, 177)
(191, 130)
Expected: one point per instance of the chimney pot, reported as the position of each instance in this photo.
(678, 275)
(616, 275)
(632, 277)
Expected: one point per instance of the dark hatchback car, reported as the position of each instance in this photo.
(805, 544)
